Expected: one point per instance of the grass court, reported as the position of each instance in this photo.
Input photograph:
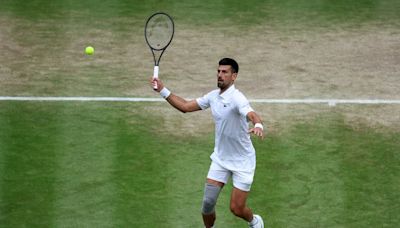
(143, 164)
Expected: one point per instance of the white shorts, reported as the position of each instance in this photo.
(241, 179)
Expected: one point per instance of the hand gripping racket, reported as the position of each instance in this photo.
(158, 32)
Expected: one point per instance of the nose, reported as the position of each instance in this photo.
(219, 74)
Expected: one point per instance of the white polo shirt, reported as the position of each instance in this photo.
(233, 148)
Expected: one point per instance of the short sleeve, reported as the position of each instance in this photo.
(204, 101)
(243, 105)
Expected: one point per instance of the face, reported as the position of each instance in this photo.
(225, 77)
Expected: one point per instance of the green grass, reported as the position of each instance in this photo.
(324, 173)
(44, 41)
(108, 165)
(211, 13)
(92, 165)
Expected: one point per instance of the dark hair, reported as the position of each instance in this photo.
(230, 62)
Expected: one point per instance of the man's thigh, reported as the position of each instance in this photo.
(243, 179)
(218, 175)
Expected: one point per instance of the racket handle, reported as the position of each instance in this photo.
(155, 75)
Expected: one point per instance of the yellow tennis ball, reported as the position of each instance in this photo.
(89, 50)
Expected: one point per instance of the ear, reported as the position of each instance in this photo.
(234, 76)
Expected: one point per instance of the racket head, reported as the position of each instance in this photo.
(159, 31)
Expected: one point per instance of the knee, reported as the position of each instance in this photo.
(208, 205)
(210, 198)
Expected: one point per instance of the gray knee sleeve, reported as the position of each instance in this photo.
(211, 193)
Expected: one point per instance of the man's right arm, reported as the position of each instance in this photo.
(177, 102)
(182, 104)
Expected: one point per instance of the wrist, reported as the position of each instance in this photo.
(259, 125)
(165, 93)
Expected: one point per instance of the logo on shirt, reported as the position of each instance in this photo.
(225, 103)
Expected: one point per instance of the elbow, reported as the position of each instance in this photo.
(185, 107)
(184, 110)
(181, 109)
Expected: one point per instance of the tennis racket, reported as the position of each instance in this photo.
(159, 31)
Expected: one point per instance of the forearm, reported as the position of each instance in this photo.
(177, 102)
(254, 118)
(258, 128)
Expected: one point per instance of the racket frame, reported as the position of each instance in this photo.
(162, 50)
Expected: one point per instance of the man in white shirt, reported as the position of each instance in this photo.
(234, 155)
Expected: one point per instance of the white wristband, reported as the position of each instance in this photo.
(165, 93)
(259, 125)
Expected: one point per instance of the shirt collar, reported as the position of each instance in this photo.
(227, 93)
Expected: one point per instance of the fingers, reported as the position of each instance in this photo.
(156, 84)
(257, 132)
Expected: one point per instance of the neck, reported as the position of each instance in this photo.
(225, 88)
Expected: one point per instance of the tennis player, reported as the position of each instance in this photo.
(234, 155)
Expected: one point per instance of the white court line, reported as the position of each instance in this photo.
(330, 102)
(327, 101)
(130, 99)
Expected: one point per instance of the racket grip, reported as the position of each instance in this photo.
(155, 75)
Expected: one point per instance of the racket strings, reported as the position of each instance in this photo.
(159, 31)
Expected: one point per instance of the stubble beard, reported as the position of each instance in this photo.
(220, 84)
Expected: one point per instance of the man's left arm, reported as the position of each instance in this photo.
(258, 128)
